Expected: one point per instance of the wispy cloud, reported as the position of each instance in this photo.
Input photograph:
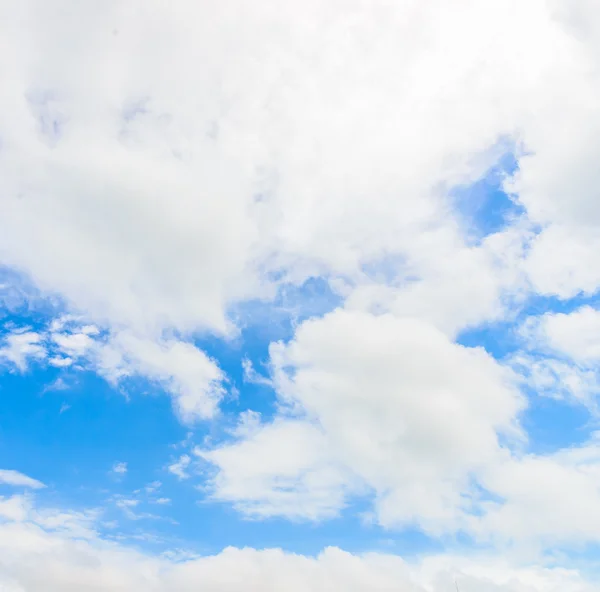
(179, 467)
(119, 468)
(16, 479)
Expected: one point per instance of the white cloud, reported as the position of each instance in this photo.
(576, 334)
(547, 501)
(386, 400)
(127, 505)
(558, 178)
(179, 467)
(73, 344)
(120, 468)
(70, 556)
(60, 362)
(562, 356)
(299, 139)
(280, 469)
(193, 379)
(556, 378)
(20, 347)
(16, 479)
(161, 198)
(153, 487)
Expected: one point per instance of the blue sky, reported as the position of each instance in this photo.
(299, 297)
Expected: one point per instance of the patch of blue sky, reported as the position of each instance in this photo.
(207, 527)
(73, 453)
(551, 423)
(276, 319)
(583, 558)
(221, 525)
(484, 206)
(79, 446)
(537, 305)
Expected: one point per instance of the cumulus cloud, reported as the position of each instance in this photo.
(390, 407)
(70, 556)
(165, 191)
(223, 150)
(386, 401)
(548, 501)
(575, 335)
(280, 469)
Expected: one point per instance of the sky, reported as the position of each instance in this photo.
(300, 296)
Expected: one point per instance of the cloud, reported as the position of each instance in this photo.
(119, 468)
(127, 505)
(575, 334)
(562, 354)
(70, 555)
(16, 479)
(179, 467)
(187, 373)
(388, 409)
(548, 501)
(153, 487)
(213, 162)
(194, 380)
(21, 347)
(387, 401)
(279, 469)
(159, 213)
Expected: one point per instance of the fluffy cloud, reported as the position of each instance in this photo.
(312, 139)
(194, 380)
(548, 500)
(563, 354)
(557, 181)
(575, 335)
(389, 405)
(281, 469)
(220, 150)
(387, 401)
(50, 550)
(21, 346)
(217, 157)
